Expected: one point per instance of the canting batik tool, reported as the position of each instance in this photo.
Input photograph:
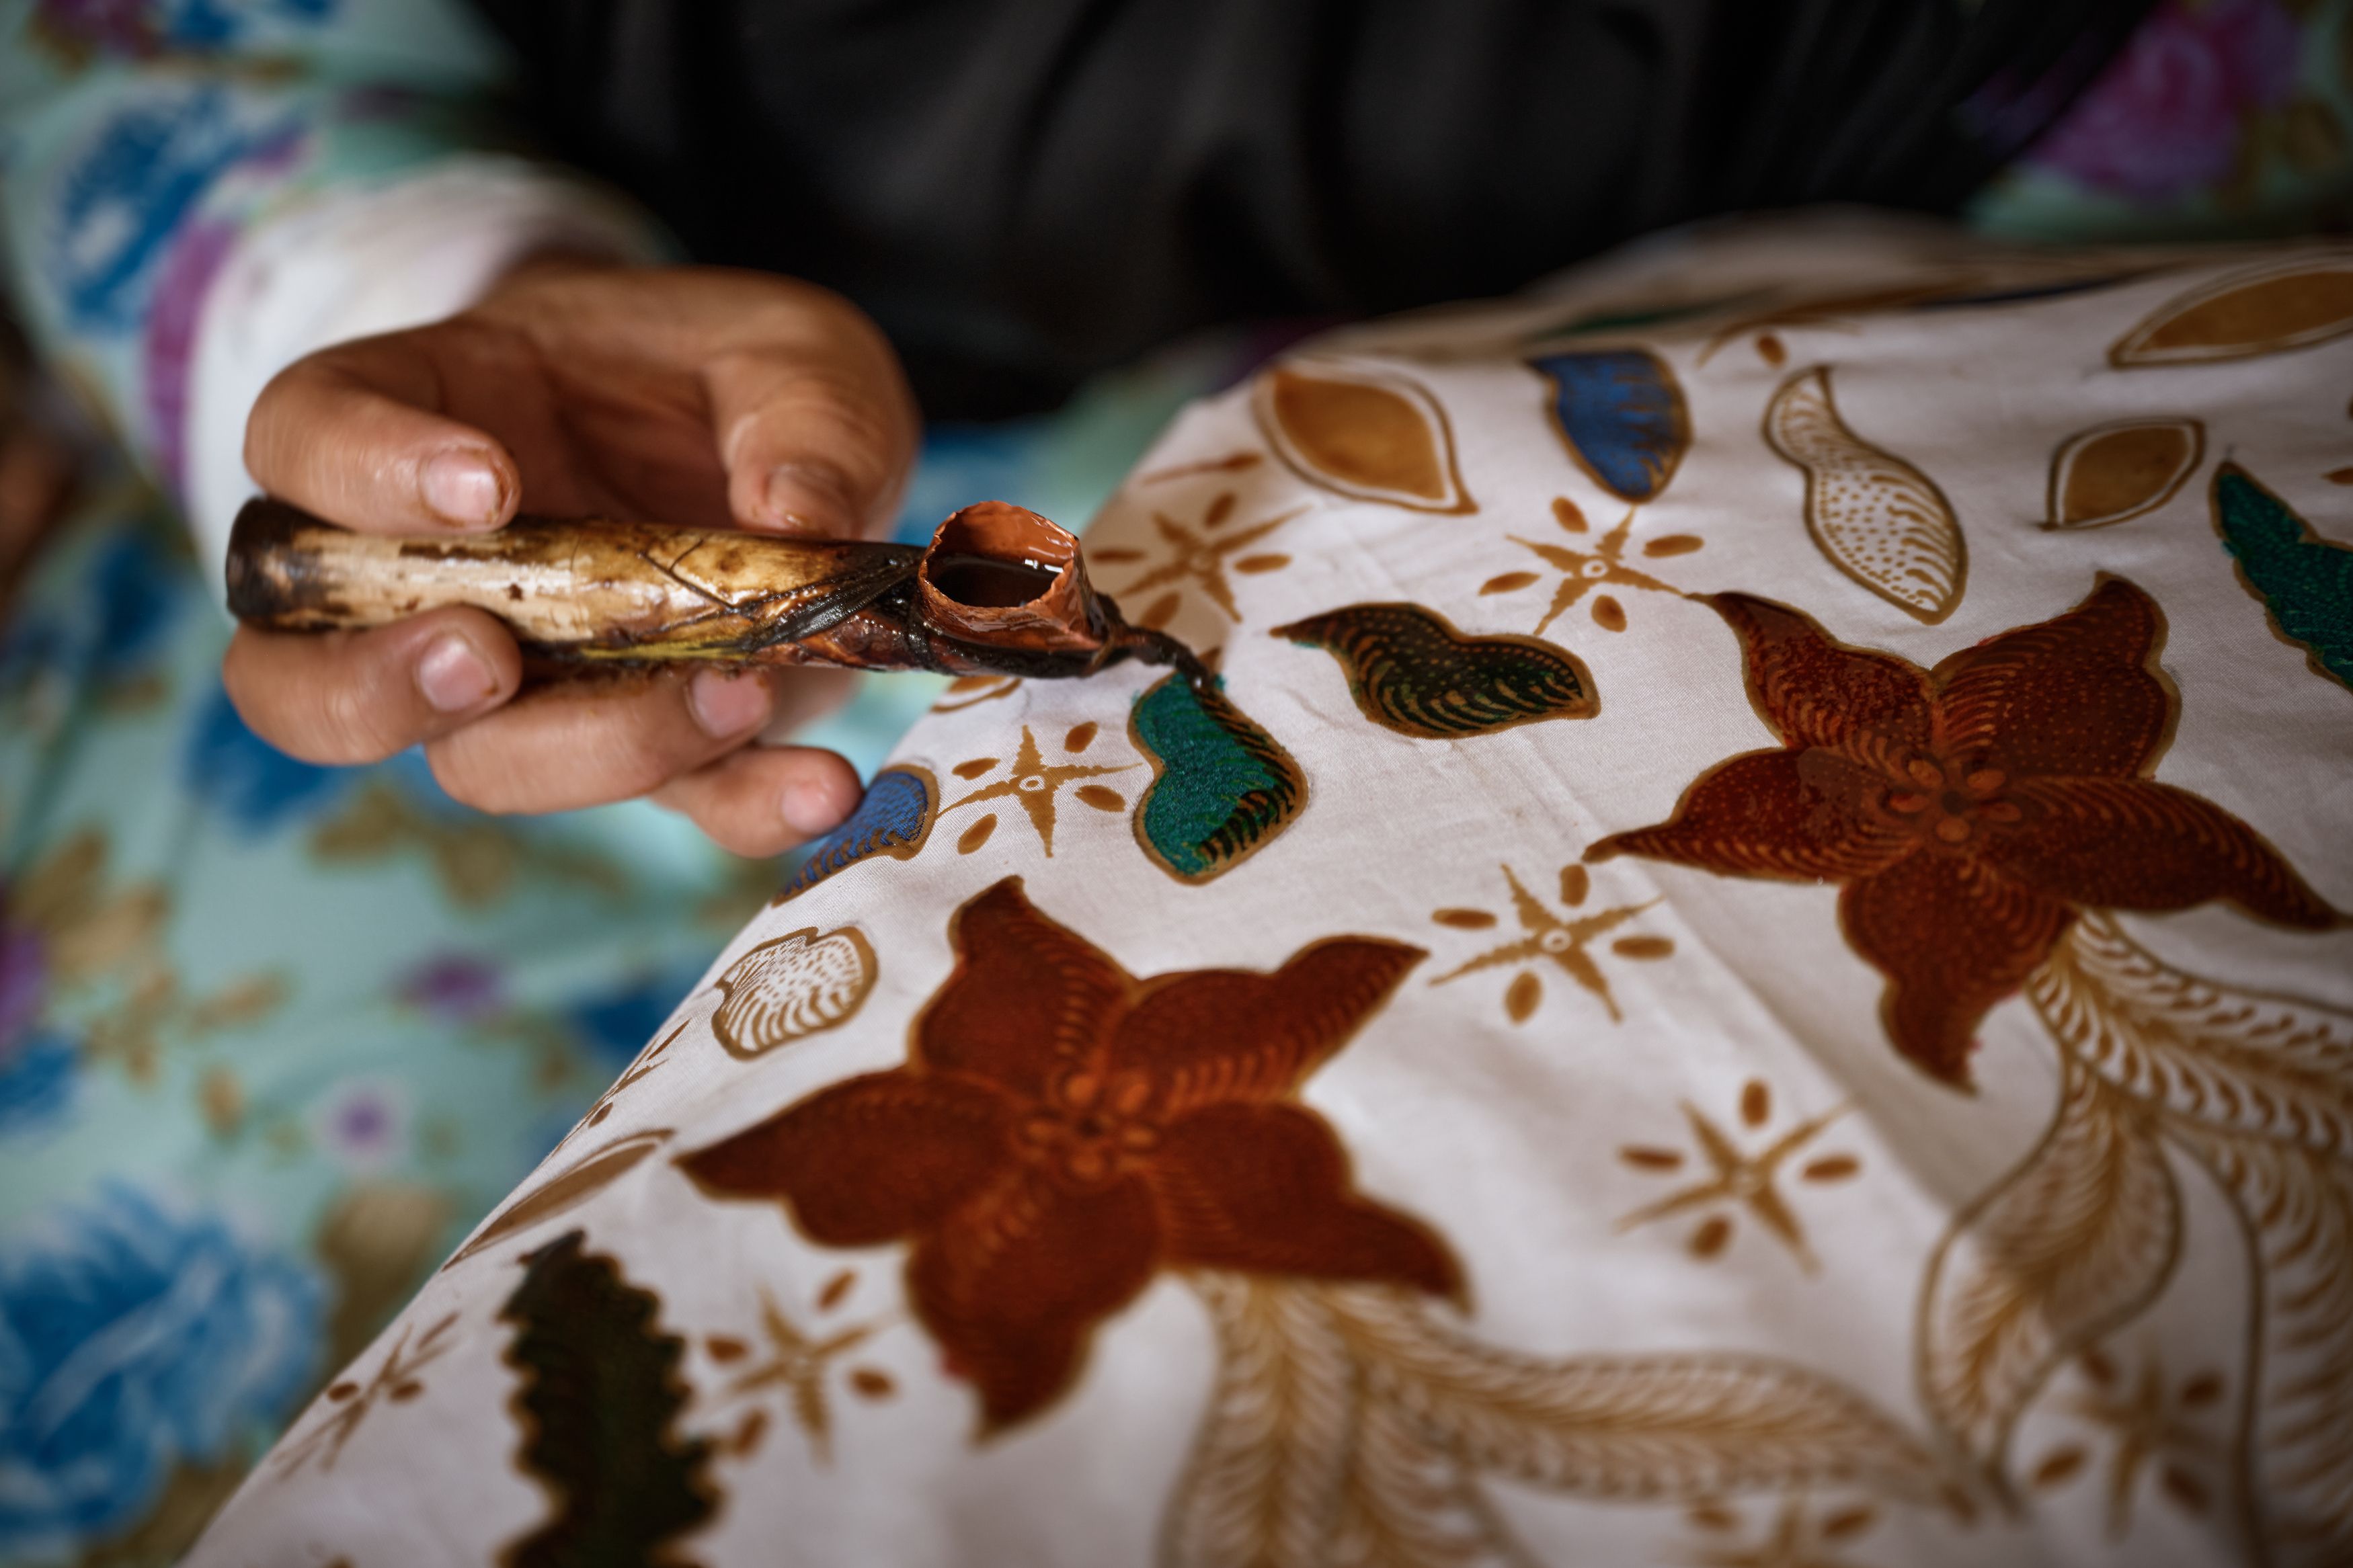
(999, 591)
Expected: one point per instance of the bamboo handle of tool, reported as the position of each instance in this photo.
(583, 589)
(1000, 591)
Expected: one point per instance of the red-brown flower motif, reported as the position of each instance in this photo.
(1063, 1130)
(1972, 810)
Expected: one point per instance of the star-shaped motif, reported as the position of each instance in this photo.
(1969, 813)
(1797, 1538)
(2153, 1425)
(1034, 786)
(648, 1061)
(1602, 566)
(801, 1363)
(1064, 1132)
(1562, 941)
(348, 1403)
(1198, 558)
(1736, 1180)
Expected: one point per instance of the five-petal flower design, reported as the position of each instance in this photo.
(1062, 1131)
(1971, 810)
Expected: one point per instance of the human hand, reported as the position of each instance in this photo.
(695, 395)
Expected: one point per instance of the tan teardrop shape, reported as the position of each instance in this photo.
(567, 1189)
(1369, 434)
(1522, 996)
(2113, 472)
(2258, 310)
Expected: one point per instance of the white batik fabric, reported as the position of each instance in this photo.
(1743, 965)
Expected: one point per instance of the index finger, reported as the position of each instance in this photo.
(351, 434)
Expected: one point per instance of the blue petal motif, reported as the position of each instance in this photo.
(132, 1339)
(893, 819)
(248, 780)
(140, 589)
(36, 1082)
(1622, 414)
(122, 200)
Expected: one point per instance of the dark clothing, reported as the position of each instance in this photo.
(1026, 191)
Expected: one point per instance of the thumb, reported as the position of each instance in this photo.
(350, 433)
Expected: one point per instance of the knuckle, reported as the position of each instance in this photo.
(453, 770)
(351, 723)
(643, 759)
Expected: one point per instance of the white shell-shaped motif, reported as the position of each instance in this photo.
(1878, 519)
(792, 986)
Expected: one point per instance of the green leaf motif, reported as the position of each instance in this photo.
(599, 1404)
(2304, 582)
(1409, 670)
(1221, 787)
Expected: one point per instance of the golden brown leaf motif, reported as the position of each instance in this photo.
(2256, 311)
(2259, 1088)
(1411, 671)
(2244, 1062)
(794, 986)
(972, 691)
(2078, 1239)
(1350, 1423)
(1271, 1462)
(563, 1192)
(1874, 516)
(1369, 434)
(2113, 473)
(2299, 1206)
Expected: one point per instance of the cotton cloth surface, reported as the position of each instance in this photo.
(1743, 963)
(274, 1037)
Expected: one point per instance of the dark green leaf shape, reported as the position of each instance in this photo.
(2306, 582)
(599, 1406)
(1411, 671)
(1221, 789)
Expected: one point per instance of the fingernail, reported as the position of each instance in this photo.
(453, 677)
(460, 488)
(811, 809)
(727, 704)
(814, 496)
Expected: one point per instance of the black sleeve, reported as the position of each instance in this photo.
(1024, 190)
